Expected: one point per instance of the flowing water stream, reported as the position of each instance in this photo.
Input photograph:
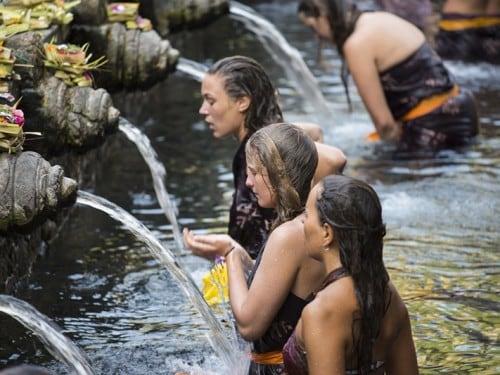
(442, 214)
(49, 334)
(286, 56)
(229, 353)
(191, 68)
(157, 172)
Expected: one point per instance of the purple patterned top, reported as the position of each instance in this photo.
(419, 76)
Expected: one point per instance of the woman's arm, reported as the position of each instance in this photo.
(312, 130)
(331, 160)
(254, 308)
(360, 58)
(325, 326)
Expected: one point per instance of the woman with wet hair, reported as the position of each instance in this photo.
(357, 322)
(410, 96)
(238, 99)
(281, 163)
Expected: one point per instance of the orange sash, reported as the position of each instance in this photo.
(269, 358)
(469, 23)
(423, 107)
(429, 104)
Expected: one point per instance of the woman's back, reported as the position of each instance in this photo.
(390, 38)
(336, 308)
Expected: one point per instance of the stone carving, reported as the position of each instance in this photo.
(66, 116)
(31, 188)
(90, 12)
(172, 15)
(75, 116)
(136, 59)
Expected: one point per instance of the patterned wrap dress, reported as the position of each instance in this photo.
(469, 37)
(420, 78)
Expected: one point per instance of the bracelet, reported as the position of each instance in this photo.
(229, 251)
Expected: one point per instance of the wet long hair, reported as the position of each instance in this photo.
(352, 208)
(289, 156)
(342, 16)
(244, 76)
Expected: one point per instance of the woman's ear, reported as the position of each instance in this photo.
(327, 235)
(243, 103)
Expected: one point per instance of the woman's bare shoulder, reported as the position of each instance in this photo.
(337, 300)
(397, 308)
(289, 235)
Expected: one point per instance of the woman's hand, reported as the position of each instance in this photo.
(208, 246)
(392, 132)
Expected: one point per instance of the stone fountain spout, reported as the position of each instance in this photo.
(30, 188)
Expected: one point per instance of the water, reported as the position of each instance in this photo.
(221, 345)
(285, 55)
(191, 68)
(49, 334)
(442, 213)
(157, 172)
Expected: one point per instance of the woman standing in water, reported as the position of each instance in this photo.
(470, 30)
(357, 322)
(409, 94)
(281, 162)
(239, 99)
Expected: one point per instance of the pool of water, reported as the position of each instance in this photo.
(126, 312)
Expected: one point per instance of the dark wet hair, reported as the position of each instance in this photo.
(244, 76)
(352, 208)
(342, 16)
(290, 158)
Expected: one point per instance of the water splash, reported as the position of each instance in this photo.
(288, 57)
(49, 333)
(192, 68)
(158, 173)
(226, 349)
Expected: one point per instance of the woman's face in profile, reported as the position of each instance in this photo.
(319, 25)
(222, 113)
(258, 181)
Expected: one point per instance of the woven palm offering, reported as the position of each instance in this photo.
(52, 12)
(13, 20)
(71, 63)
(22, 15)
(7, 74)
(23, 3)
(7, 61)
(128, 13)
(11, 128)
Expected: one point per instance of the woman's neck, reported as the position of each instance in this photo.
(331, 259)
(242, 133)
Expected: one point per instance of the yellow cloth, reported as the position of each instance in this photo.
(424, 107)
(215, 286)
(469, 23)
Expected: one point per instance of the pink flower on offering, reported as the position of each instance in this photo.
(117, 8)
(18, 117)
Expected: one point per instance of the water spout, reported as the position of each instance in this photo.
(286, 56)
(50, 335)
(157, 172)
(229, 352)
(191, 68)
